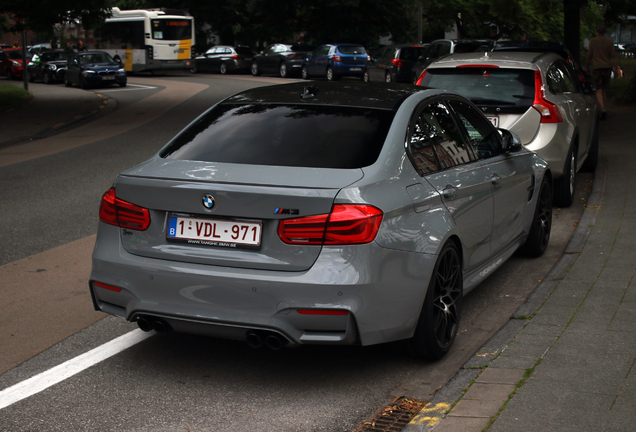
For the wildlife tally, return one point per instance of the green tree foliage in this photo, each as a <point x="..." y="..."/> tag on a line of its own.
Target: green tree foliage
<point x="42" y="15"/>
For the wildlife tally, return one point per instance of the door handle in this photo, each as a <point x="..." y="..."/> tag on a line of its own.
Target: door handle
<point x="449" y="192"/>
<point x="494" y="179"/>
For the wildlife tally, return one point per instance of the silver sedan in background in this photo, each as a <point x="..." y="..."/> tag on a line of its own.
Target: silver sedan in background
<point x="536" y="95"/>
<point x="334" y="213"/>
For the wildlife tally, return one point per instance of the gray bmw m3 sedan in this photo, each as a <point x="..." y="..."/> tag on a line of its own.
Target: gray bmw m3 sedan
<point x="320" y="213"/>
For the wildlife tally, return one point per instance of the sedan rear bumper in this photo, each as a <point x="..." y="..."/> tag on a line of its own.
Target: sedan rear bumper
<point x="357" y="283"/>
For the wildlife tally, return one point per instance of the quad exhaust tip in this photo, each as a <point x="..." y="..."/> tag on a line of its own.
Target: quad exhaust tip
<point x="157" y="324"/>
<point x="271" y="340"/>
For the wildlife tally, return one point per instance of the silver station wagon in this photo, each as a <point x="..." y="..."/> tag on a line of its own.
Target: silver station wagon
<point x="333" y="213"/>
<point x="536" y="95"/>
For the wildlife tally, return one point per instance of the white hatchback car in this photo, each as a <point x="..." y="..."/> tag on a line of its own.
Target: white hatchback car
<point x="535" y="95"/>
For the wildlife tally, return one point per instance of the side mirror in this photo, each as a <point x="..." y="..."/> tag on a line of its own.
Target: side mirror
<point x="510" y="141"/>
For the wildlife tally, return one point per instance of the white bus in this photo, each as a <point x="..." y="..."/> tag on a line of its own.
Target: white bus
<point x="147" y="40"/>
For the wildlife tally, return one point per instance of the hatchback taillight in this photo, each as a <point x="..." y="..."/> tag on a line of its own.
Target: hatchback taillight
<point x="237" y="57"/>
<point x="337" y="58"/>
<point x="345" y="225"/>
<point x="549" y="111"/>
<point x="121" y="213"/>
<point x="419" y="80"/>
<point x="396" y="62"/>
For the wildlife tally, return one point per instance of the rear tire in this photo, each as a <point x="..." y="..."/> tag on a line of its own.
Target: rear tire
<point x="539" y="235"/>
<point x="282" y="70"/>
<point x="564" y="185"/>
<point x="365" y="76"/>
<point x="9" y="74"/>
<point x="439" y="320"/>
<point x="304" y="73"/>
<point x="223" y="68"/>
<point x="388" y="77"/>
<point x="331" y="76"/>
<point x="255" y="70"/>
<point x="46" y="77"/>
<point x="592" y="155"/>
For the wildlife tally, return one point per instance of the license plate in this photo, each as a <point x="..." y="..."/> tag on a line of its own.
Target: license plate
<point x="355" y="69"/>
<point x="108" y="77"/>
<point x="494" y="120"/>
<point x="214" y="232"/>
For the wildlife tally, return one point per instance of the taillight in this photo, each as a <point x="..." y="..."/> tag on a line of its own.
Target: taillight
<point x="121" y="213"/>
<point x="419" y="80"/>
<point x="347" y="224"/>
<point x="237" y="57"/>
<point x="321" y="312"/>
<point x="548" y="110"/>
<point x="106" y="286"/>
<point x="396" y="62"/>
<point x="337" y="58"/>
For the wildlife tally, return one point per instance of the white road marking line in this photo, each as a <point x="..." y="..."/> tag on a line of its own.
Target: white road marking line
<point x="59" y="373"/>
<point x="127" y="88"/>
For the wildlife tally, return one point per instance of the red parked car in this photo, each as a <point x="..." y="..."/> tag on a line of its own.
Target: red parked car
<point x="11" y="62"/>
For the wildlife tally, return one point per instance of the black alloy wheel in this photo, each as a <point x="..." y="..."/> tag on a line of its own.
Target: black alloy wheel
<point x="282" y="70"/>
<point x="46" y="77"/>
<point x="539" y="235"/>
<point x="304" y="73"/>
<point x="439" y="320"/>
<point x="388" y="77"/>
<point x="223" y="68"/>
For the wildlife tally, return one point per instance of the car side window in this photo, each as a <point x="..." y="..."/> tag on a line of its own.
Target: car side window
<point x="567" y="83"/>
<point x="435" y="142"/>
<point x="325" y="50"/>
<point x="381" y="54"/>
<point x="270" y="49"/>
<point x="444" y="49"/>
<point x="483" y="138"/>
<point x="317" y="52"/>
<point x="553" y="79"/>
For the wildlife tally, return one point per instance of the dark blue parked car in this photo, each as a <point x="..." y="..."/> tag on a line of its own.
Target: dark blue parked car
<point x="334" y="61"/>
<point x="88" y="68"/>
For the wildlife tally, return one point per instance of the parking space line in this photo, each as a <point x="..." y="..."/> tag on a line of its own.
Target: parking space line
<point x="142" y="87"/>
<point x="59" y="373"/>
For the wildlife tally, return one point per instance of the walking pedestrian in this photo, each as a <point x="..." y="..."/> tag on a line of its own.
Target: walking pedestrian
<point x="602" y="55"/>
<point x="80" y="46"/>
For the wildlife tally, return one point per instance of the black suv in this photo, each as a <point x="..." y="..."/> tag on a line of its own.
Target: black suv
<point x="394" y="63"/>
<point x="441" y="47"/>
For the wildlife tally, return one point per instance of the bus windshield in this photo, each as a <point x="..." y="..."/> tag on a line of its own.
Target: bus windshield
<point x="171" y="29"/>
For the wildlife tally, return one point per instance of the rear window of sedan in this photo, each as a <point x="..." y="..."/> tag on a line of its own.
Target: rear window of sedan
<point x="314" y="136"/>
<point x="485" y="85"/>
<point x="351" y="50"/>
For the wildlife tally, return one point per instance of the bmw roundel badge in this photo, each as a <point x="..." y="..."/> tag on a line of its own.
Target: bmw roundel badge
<point x="208" y="201"/>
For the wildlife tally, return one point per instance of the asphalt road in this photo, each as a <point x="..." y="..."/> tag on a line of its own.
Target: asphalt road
<point x="48" y="220"/>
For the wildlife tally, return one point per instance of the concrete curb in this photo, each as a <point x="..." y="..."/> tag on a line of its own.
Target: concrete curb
<point x="107" y="106"/>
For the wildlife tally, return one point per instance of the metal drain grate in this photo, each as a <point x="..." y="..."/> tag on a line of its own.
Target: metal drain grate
<point x="394" y="417"/>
